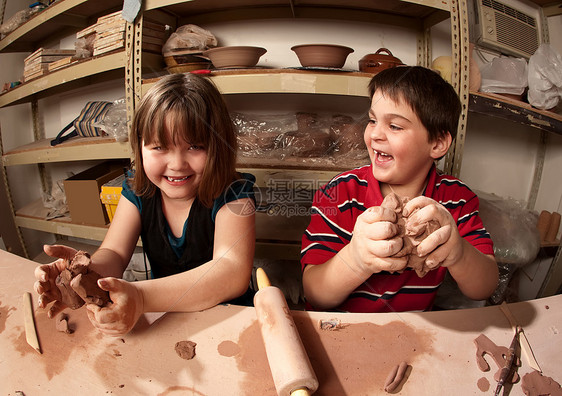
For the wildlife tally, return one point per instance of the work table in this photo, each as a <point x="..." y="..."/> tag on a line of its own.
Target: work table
<point x="230" y="357"/>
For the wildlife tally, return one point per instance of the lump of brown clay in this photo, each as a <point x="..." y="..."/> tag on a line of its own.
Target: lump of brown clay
<point x="536" y="384"/>
<point x="78" y="284"/>
<point x="395" y="377"/>
<point x="412" y="235"/>
<point x="498" y="353"/>
<point x="185" y="349"/>
<point x="62" y="324"/>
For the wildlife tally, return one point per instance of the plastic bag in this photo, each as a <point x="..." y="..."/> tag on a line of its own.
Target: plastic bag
<point x="302" y="136"/>
<point x="84" y="46"/>
<point x="512" y="227"/>
<point x="545" y="78"/>
<point x="18" y="19"/>
<point x="114" y="123"/>
<point x="55" y="201"/>
<point x="504" y="75"/>
<point x="190" y="37"/>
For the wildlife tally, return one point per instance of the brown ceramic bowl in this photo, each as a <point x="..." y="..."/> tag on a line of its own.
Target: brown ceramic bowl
<point x="374" y="63"/>
<point x="322" y="55"/>
<point x="234" y="56"/>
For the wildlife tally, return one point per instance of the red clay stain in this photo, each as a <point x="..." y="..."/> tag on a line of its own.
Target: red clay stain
<point x="4" y="313"/>
<point x="354" y="359"/>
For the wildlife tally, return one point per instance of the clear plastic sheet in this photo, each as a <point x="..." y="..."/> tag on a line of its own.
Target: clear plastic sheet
<point x="545" y="78"/>
<point x="309" y="137"/>
<point x="84" y="46"/>
<point x="55" y="201"/>
<point x="18" y="19"/>
<point x="114" y="123"/>
<point x="504" y="75"/>
<point x="513" y="229"/>
<point x="190" y="37"/>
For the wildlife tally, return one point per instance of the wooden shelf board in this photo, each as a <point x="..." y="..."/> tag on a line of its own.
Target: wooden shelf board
<point x="80" y="70"/>
<point x="76" y="13"/>
<point x="33" y="216"/>
<point x="74" y="149"/>
<point x="514" y="110"/>
<point x="411" y="8"/>
<point x="261" y="80"/>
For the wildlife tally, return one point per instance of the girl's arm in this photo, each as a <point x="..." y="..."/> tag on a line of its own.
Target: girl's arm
<point x="224" y="277"/>
<point x="110" y="259"/>
<point x="115" y="252"/>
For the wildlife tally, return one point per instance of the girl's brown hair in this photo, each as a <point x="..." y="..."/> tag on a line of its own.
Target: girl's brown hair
<point x="194" y="111"/>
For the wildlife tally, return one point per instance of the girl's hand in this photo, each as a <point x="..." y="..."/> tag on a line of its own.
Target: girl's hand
<point x="374" y="241"/>
<point x="46" y="276"/>
<point x="119" y="317"/>
<point x="444" y="245"/>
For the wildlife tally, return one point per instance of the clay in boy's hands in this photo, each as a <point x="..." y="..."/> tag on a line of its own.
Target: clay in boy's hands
<point x="411" y="236"/>
<point x="78" y="284"/>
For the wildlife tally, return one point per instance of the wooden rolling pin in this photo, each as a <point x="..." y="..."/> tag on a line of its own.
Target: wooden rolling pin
<point x="289" y="364"/>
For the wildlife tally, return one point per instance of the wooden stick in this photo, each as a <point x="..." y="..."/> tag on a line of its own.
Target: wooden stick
<point x="525" y="346"/>
<point x="30" y="331"/>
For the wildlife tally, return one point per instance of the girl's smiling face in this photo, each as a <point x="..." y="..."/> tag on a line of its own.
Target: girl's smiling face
<point x="176" y="168"/>
<point x="398" y="144"/>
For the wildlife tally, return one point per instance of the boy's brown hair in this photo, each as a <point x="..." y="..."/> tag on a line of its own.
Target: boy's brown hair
<point x="432" y="98"/>
<point x="196" y="113"/>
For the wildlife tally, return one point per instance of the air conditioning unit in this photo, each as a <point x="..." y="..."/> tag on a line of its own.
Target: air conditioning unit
<point x="510" y="29"/>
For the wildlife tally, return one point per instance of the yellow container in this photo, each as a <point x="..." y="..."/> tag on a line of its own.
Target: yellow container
<point x="110" y="194"/>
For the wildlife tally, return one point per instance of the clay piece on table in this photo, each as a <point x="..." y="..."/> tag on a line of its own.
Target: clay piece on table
<point x="395" y="377"/>
<point x="62" y="324"/>
<point x="78" y="284"/>
<point x="412" y="234"/>
<point x="536" y="384"/>
<point x="498" y="353"/>
<point x="185" y="349"/>
<point x="330" y="325"/>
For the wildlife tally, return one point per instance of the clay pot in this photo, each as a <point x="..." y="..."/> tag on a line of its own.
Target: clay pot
<point x="322" y="55"/>
<point x="234" y="56"/>
<point x="374" y="63"/>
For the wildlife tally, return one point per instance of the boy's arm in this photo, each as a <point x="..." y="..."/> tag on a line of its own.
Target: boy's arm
<point x="329" y="284"/>
<point x="475" y="273"/>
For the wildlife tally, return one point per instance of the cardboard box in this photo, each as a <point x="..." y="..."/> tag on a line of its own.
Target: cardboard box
<point x="83" y="193"/>
<point x="111" y="193"/>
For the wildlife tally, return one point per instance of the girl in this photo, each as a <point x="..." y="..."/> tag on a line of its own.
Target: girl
<point x="192" y="210"/>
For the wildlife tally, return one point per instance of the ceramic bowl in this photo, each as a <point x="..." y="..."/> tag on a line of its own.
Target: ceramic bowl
<point x="322" y="55"/>
<point x="234" y="56"/>
<point x="380" y="60"/>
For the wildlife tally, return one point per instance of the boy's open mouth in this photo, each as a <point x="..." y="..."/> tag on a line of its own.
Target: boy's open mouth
<point x="381" y="156"/>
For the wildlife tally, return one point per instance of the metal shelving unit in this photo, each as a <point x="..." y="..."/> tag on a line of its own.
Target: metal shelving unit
<point x="129" y="64"/>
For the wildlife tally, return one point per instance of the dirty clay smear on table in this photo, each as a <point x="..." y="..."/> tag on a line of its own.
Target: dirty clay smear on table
<point x="55" y="345"/>
<point x="361" y="370"/>
<point x="4" y="313"/>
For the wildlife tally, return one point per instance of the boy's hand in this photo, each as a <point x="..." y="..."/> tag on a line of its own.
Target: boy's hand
<point x="444" y="245"/>
<point x="119" y="317"/>
<point x="46" y="276"/>
<point x="374" y="241"/>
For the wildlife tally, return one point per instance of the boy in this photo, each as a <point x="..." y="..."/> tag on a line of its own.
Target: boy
<point x="348" y="246"/>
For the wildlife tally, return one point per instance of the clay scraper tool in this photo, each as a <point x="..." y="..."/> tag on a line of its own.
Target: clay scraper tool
<point x="509" y="359"/>
<point x="30" y="331"/>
